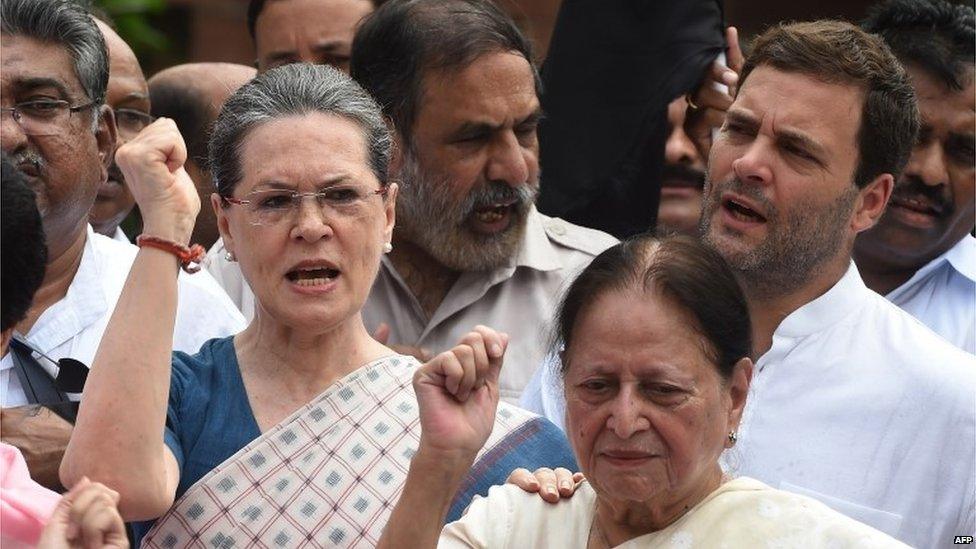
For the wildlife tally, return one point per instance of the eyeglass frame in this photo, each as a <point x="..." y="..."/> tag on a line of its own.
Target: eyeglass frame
<point x="227" y="200"/>
<point x="17" y="114"/>
<point x="140" y="114"/>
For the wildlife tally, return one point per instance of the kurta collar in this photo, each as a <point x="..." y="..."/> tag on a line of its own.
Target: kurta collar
<point x="961" y="257"/>
<point x="83" y="305"/>
<point x="840" y="300"/>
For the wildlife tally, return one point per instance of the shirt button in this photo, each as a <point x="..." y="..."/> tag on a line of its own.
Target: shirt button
<point x="557" y="229"/>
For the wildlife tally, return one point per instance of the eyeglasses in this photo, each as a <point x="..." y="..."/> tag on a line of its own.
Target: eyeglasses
<point x="130" y="122"/>
<point x="44" y="116"/>
<point x="273" y="206"/>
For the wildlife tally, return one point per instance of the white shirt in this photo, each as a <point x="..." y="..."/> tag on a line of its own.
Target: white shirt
<point x="942" y="294"/>
<point x="73" y="326"/>
<point x="861" y="406"/>
<point x="120" y="236"/>
<point x="518" y="298"/>
<point x="228" y="275"/>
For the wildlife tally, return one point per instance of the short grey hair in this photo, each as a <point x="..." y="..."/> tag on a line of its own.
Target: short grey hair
<point x="291" y="90"/>
<point x="66" y="23"/>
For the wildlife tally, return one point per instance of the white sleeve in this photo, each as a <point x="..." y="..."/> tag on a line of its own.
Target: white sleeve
<point x="487" y="523"/>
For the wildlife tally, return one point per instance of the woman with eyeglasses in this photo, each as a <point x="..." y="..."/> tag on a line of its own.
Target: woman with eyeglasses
<point x="301" y="428"/>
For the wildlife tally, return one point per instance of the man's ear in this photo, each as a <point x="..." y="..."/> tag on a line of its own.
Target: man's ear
<point x="871" y="202"/>
<point x="106" y="137"/>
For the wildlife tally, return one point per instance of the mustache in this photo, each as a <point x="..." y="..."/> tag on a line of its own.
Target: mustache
<point x="27" y="156"/>
<point x="752" y="192"/>
<point x="521" y="196"/>
<point x="683" y="172"/>
<point x="940" y="196"/>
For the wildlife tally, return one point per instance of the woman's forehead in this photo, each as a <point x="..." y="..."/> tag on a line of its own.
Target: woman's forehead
<point x="305" y="149"/>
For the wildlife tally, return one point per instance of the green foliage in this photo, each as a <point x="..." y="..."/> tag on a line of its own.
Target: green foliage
<point x="133" y="20"/>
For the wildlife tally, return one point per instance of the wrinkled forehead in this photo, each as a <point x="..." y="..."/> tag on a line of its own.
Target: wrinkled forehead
<point x="28" y="64"/>
<point x="826" y="112"/>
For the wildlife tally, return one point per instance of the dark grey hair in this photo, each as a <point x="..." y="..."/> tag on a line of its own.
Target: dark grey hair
<point x="403" y="40"/>
<point x="66" y="23"/>
<point x="291" y="90"/>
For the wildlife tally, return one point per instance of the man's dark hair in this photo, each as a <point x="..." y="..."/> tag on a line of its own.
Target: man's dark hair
<point x="840" y="53"/>
<point x="22" y="241"/>
<point x="66" y="23"/>
<point x="403" y="40"/>
<point x="190" y="108"/>
<point x="255" y="7"/>
<point x="936" y="35"/>
<point x="681" y="268"/>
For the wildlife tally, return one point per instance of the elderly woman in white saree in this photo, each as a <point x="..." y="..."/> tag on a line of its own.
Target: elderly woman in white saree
<point x="656" y="339"/>
<point x="300" y="429"/>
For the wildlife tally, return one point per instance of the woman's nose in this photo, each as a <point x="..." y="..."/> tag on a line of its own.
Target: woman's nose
<point x="311" y="220"/>
<point x="627" y="417"/>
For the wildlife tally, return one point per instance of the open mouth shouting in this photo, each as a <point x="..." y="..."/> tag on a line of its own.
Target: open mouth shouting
<point x="493" y="218"/>
<point x="313" y="276"/>
<point x="740" y="212"/>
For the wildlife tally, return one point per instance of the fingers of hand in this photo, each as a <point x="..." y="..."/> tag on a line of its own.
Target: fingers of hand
<point x="496" y="343"/>
<point x="734" y="52"/>
<point x="547" y="480"/>
<point x="479" y="350"/>
<point x="524" y="479"/>
<point x="466" y="357"/>
<point x="447" y="367"/>
<point x="708" y="97"/>
<point x="721" y="74"/>
<point x="160" y="141"/>
<point x="98" y="522"/>
<point x="89" y="498"/>
<point x="564" y="482"/>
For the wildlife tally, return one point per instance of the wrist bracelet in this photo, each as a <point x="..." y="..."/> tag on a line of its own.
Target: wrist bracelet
<point x="190" y="257"/>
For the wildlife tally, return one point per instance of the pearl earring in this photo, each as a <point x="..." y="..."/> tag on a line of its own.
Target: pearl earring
<point x="229" y="256"/>
<point x="387" y="247"/>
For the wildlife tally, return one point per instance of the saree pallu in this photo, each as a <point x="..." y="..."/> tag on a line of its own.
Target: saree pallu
<point x="330" y="475"/>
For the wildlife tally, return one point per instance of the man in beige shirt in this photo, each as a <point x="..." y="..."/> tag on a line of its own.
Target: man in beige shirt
<point x="469" y="247"/>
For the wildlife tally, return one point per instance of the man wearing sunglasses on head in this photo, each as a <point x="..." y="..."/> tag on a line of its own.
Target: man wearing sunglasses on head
<point x="57" y="130"/>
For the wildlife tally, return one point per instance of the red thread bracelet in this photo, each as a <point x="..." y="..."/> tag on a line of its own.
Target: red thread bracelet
<point x="190" y="257"/>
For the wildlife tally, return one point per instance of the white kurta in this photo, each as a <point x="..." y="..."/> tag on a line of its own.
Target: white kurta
<point x="73" y="326"/>
<point x="942" y="294"/>
<point x="740" y="513"/>
<point x="861" y="406"/>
